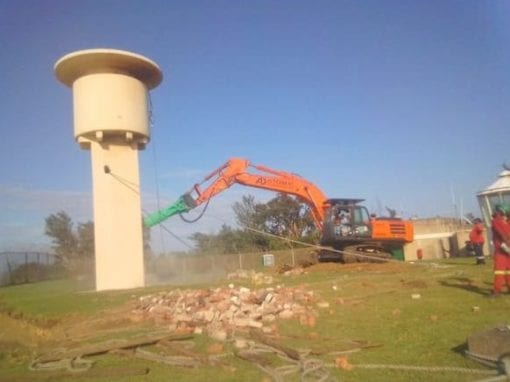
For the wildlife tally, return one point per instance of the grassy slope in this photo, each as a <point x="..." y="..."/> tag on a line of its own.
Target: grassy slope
<point x="372" y="303"/>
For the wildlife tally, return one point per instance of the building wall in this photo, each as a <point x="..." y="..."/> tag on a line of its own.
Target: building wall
<point x="439" y="238"/>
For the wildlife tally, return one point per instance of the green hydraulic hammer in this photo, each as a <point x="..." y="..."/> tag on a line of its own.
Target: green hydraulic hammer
<point x="184" y="204"/>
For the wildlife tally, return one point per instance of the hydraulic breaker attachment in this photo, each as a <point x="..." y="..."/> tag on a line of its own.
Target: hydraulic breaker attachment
<point x="183" y="204"/>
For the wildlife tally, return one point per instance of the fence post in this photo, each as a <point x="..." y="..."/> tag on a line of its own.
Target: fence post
<point x="9" y="269"/>
<point x="26" y="268"/>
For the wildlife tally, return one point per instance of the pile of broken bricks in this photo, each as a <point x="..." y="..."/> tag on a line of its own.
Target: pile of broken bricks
<point x="223" y="311"/>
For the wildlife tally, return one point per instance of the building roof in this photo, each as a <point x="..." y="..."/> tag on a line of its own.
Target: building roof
<point x="502" y="184"/>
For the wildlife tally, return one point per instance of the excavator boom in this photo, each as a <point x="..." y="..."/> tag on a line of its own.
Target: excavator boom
<point x="236" y="171"/>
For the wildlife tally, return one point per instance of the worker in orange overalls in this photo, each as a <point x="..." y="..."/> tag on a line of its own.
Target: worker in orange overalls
<point x="501" y="243"/>
<point x="477" y="239"/>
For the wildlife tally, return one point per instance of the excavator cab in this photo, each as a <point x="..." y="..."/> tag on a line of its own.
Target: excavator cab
<point x="345" y="222"/>
<point x="348" y="227"/>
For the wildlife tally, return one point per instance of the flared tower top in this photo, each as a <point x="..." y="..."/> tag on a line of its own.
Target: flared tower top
<point x="84" y="62"/>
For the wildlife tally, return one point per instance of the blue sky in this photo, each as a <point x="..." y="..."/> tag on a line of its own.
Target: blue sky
<point x="403" y="103"/>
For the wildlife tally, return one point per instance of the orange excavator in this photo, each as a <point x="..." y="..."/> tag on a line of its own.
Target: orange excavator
<point x="345" y="225"/>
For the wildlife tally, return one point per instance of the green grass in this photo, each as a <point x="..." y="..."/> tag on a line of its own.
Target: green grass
<point x="374" y="305"/>
<point x="51" y="300"/>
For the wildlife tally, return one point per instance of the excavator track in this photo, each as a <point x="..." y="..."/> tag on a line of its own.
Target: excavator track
<point x="360" y="253"/>
<point x="365" y="253"/>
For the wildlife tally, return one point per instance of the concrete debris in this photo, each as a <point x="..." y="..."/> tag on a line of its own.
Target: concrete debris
<point x="219" y="312"/>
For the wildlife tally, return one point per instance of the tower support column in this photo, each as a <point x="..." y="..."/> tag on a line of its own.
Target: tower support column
<point x="118" y="228"/>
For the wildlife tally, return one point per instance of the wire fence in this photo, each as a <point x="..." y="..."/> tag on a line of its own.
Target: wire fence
<point x="30" y="266"/>
<point x="187" y="268"/>
<point x="12" y="261"/>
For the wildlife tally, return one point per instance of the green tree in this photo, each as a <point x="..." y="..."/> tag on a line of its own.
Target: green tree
<point x="85" y="238"/>
<point x="147" y="250"/>
<point x="227" y="240"/>
<point x="285" y="216"/>
<point x="73" y="247"/>
<point x="59" y="227"/>
<point x="248" y="216"/>
<point x="282" y="217"/>
<point x="246" y="212"/>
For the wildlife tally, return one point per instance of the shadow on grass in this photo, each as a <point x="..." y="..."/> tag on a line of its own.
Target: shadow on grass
<point x="467" y="284"/>
<point x="460" y="349"/>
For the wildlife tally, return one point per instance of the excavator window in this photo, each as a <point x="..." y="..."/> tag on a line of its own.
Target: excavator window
<point x="361" y="221"/>
<point x="349" y="220"/>
<point x="342" y="221"/>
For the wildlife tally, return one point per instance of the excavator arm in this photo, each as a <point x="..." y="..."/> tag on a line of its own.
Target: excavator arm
<point x="237" y="170"/>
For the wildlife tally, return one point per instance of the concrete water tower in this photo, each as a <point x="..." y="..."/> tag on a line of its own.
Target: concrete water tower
<point x="111" y="119"/>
